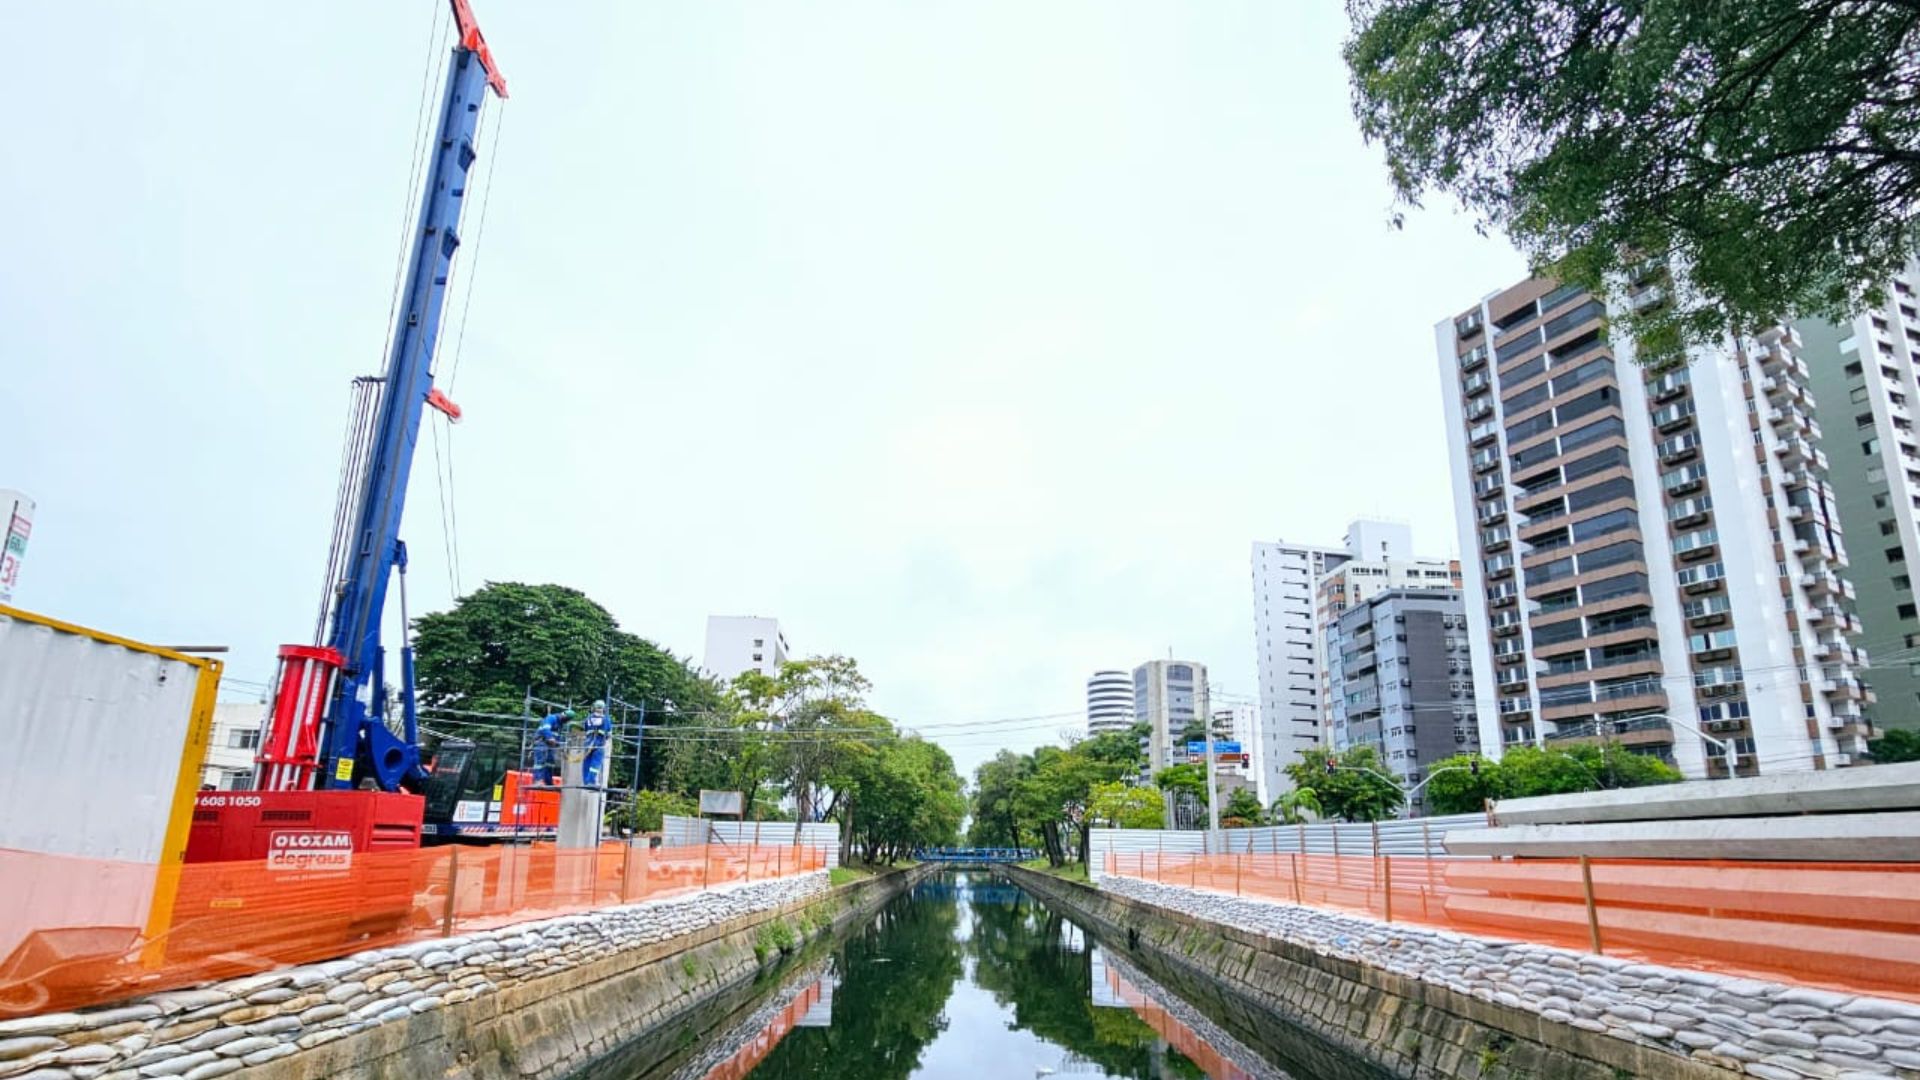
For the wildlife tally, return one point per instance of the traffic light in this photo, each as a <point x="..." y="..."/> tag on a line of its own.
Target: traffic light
<point x="1473" y="766"/>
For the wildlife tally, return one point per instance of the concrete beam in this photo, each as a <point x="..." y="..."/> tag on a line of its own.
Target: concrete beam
<point x="1875" y="788"/>
<point x="1893" y="837"/>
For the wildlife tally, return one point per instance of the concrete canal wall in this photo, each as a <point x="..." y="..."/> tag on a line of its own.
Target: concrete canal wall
<point x="1429" y="1003"/>
<point x="533" y="1000"/>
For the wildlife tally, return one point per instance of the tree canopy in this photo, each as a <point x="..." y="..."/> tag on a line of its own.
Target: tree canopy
<point x="1357" y="788"/>
<point x="1894" y="746"/>
<point x="1770" y="148"/>
<point x="803" y="734"/>
<point x="1048" y="795"/>
<point x="1525" y="771"/>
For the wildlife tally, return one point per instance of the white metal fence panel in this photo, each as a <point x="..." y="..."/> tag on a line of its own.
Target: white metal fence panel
<point x="1418" y="837"/>
<point x="681" y="831"/>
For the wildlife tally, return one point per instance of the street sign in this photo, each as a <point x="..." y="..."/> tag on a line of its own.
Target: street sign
<point x="1221" y="747"/>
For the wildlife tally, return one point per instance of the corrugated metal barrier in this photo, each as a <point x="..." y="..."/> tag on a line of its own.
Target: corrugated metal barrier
<point x="237" y="918"/>
<point x="1414" y="837"/>
<point x="679" y="831"/>
<point x="1853" y="926"/>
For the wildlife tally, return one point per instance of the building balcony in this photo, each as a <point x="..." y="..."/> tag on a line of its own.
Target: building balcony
<point x="1679" y="448"/>
<point x="1491" y="513"/>
<point x="1482" y="434"/>
<point x="1480" y="408"/>
<point x="1674" y="416"/>
<point x="1475" y="383"/>
<point x="1467" y="325"/>
<point x="1670" y="385"/>
<point x="1473" y="357"/>
<point x="1486" y="460"/>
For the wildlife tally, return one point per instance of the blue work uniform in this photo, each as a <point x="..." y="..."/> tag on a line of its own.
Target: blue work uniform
<point x="548" y="738"/>
<point x="598" y="728"/>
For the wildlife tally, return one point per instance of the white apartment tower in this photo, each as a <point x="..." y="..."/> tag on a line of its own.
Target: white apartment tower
<point x="741" y="643"/>
<point x="1109" y="702"/>
<point x="1863" y="373"/>
<point x="1288" y="658"/>
<point x="1652" y="557"/>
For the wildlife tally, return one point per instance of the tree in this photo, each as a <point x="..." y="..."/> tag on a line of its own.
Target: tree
<point x="1456" y="788"/>
<point x="1356" y="789"/>
<point x="995" y="784"/>
<point x="1187" y="779"/>
<point x="1293" y="807"/>
<point x="1894" y="746"/>
<point x="1525" y="771"/>
<point x="505" y="639"/>
<point x="1119" y="806"/>
<point x="1769" y="147"/>
<point x="1242" y="810"/>
<point x="643" y="812"/>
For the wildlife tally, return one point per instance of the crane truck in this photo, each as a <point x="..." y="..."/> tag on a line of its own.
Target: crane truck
<point x="339" y="769"/>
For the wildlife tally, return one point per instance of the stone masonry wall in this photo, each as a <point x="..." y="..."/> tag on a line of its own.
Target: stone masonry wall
<point x="1763" y="1029"/>
<point x="224" y="1027"/>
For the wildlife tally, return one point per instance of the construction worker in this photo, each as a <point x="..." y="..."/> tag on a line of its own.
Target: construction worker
<point x="548" y="739"/>
<point x="599" y="728"/>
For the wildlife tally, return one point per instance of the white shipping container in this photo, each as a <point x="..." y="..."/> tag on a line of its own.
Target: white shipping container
<point x="104" y="739"/>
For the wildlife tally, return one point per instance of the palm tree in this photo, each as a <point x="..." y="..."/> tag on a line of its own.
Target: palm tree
<point x="1293" y="807"/>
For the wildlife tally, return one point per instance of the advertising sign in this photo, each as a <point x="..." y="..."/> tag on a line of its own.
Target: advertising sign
<point x="723" y="802"/>
<point x="16" y="525"/>
<point x="310" y="849"/>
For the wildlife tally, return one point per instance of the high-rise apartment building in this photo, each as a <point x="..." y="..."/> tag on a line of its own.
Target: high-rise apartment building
<point x="1109" y="702"/>
<point x="1863" y="376"/>
<point x="1359" y="580"/>
<point x="1169" y="694"/>
<point x="1288" y="611"/>
<point x="1651" y="556"/>
<point x="1401" y="674"/>
<point x="740" y="643"/>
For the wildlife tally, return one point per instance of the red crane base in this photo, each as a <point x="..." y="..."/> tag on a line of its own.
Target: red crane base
<point x="305" y="830"/>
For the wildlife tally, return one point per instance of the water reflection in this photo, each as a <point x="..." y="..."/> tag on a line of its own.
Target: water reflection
<point x="967" y="976"/>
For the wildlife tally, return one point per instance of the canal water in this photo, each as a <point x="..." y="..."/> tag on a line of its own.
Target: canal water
<point x="967" y="976"/>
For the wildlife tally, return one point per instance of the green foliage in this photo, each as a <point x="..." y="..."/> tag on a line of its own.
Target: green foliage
<point x="1894" y="746"/>
<point x="1358" y="789"/>
<point x="1116" y="805"/>
<point x="1293" y="807"/>
<point x="1771" y="147"/>
<point x="1188" y="779"/>
<point x="506" y="638"/>
<point x="688" y="967"/>
<point x="1045" y="795"/>
<point x="1526" y="771"/>
<point x="643" y="812"/>
<point x="1243" y="807"/>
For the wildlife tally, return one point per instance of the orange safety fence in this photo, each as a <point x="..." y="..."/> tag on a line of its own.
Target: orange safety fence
<point x="755" y="1050"/>
<point x="77" y="932"/>
<point x="1216" y="1065"/>
<point x="1850" y="926"/>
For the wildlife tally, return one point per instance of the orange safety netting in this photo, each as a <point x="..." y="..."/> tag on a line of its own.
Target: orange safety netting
<point x="78" y="931"/>
<point x="1852" y="926"/>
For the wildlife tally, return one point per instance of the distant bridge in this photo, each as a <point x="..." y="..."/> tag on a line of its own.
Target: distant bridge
<point x="975" y="856"/>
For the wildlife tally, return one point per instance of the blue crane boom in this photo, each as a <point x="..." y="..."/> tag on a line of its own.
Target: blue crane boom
<point x="356" y="743"/>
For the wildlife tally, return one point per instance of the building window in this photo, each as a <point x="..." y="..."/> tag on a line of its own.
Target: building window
<point x="1905" y="611"/>
<point x="1895" y="555"/>
<point x="243" y="740"/>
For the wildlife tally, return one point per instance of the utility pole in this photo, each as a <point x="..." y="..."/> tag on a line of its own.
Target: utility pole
<point x="1213" y="808"/>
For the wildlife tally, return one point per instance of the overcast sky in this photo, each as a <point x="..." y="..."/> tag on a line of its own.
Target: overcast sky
<point x="975" y="340"/>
